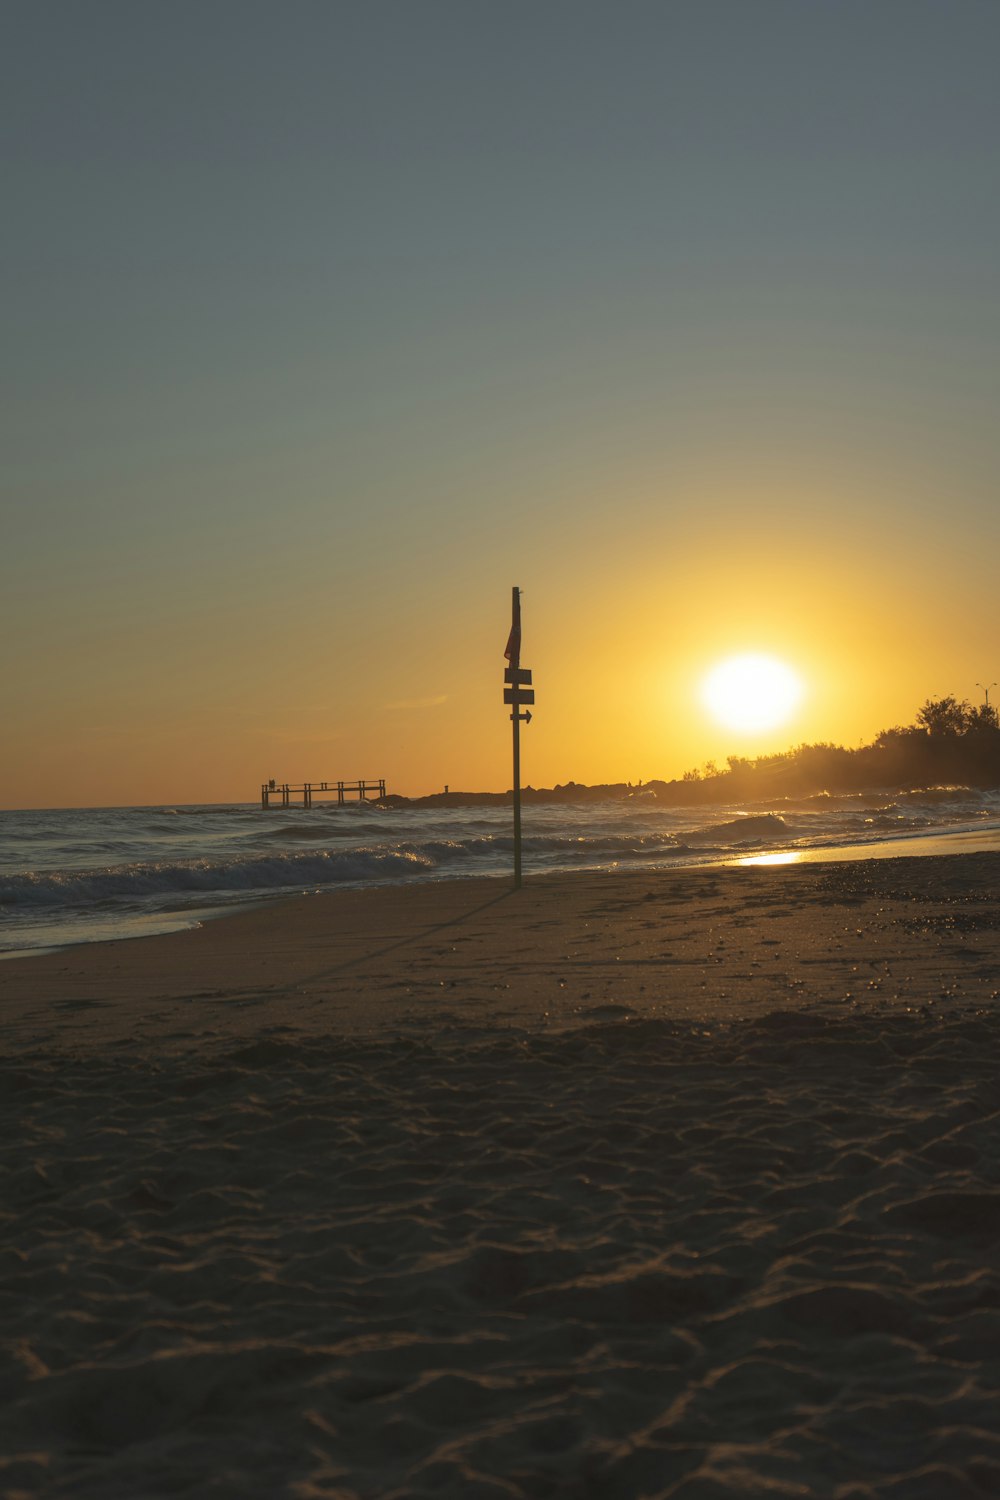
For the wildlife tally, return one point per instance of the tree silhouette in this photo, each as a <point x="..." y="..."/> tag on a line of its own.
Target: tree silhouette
<point x="983" y="716"/>
<point x="944" y="716"/>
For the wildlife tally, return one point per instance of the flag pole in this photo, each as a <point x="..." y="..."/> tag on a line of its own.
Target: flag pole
<point x="516" y="719"/>
<point x="518" y="694"/>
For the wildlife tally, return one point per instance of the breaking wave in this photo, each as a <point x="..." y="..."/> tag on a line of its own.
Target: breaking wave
<point x="140" y="881"/>
<point x="753" y="827"/>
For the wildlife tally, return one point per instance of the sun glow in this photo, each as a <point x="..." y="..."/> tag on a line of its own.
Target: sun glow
<point x="751" y="692"/>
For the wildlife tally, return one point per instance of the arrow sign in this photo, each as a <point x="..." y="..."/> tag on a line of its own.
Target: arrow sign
<point x="518" y="695"/>
<point x="520" y="676"/>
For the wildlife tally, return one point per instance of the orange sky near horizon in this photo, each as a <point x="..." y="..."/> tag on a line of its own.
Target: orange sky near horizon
<point x="620" y="635"/>
<point x="684" y="319"/>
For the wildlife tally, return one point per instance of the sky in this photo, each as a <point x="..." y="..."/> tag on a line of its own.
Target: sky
<point x="325" y="324"/>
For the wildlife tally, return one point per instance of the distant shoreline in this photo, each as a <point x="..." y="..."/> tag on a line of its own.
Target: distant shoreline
<point x="712" y="791"/>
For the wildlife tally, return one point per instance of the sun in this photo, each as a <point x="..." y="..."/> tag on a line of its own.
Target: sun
<point x="751" y="692"/>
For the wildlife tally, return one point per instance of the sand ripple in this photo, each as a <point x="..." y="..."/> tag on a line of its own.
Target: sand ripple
<point x="634" y="1258"/>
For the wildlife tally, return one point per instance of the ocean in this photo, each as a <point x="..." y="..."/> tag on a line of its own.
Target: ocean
<point x="92" y="874"/>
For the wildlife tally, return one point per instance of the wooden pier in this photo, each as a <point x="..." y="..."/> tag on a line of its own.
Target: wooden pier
<point x="284" y="794"/>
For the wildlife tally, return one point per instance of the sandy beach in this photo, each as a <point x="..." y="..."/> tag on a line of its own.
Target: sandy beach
<point x="680" y="1184"/>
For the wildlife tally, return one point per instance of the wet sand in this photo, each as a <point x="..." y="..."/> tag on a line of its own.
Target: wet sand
<point x="681" y="1184"/>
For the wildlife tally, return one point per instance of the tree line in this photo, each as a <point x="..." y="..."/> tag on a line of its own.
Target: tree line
<point x="950" y="742"/>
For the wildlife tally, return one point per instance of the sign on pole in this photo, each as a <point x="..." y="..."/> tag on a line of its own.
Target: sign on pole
<point x="517" y="694"/>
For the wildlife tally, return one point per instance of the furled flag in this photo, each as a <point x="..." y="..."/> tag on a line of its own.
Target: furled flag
<point x="513" y="648"/>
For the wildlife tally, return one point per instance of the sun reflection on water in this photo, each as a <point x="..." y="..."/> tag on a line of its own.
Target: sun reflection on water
<point x="783" y="857"/>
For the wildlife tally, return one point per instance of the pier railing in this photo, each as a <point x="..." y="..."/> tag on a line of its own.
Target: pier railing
<point x="285" y="794"/>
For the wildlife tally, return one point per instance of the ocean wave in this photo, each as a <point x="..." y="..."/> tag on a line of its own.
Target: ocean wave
<point x="555" y="846"/>
<point x="309" y="832"/>
<point x="64" y="868"/>
<point x="893" y="818"/>
<point x="754" y="827"/>
<point x="158" y="880"/>
<point x="139" y="882"/>
<point x="197" y="810"/>
<point x="481" y="846"/>
<point x="961" y="795"/>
